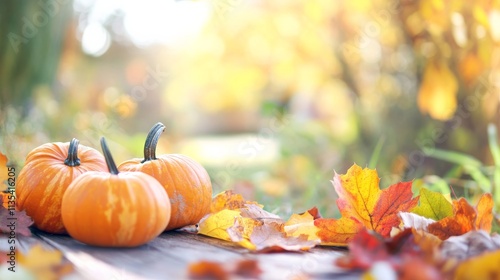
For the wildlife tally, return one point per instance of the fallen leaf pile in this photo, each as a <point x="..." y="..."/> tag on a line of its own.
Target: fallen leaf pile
<point x="426" y="235"/>
<point x="389" y="232"/>
<point x="248" y="224"/>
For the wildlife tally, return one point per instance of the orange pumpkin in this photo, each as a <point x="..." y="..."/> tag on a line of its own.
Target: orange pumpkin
<point x="48" y="171"/>
<point x="115" y="209"/>
<point x="185" y="180"/>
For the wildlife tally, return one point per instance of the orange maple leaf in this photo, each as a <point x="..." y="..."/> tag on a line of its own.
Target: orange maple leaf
<point x="228" y="200"/>
<point x="337" y="232"/>
<point x="465" y="218"/>
<point x="244" y="268"/>
<point x="363" y="204"/>
<point x="484" y="209"/>
<point x="3" y="171"/>
<point x="207" y="270"/>
<point x="4" y="200"/>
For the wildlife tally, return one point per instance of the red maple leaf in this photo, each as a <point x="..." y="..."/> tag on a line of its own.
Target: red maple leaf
<point x="401" y="252"/>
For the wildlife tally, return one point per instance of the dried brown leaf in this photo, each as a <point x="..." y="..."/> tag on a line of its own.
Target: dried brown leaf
<point x="271" y="238"/>
<point x="412" y="220"/>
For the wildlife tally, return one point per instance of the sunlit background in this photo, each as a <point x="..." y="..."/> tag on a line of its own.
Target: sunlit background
<point x="271" y="97"/>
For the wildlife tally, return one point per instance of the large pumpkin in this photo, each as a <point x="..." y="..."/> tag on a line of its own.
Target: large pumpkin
<point x="185" y="180"/>
<point x="48" y="171"/>
<point x="115" y="209"/>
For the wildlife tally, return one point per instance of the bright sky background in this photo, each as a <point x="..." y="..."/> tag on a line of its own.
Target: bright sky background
<point x="148" y="22"/>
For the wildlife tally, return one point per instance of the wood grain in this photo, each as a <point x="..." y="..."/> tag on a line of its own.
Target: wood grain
<point x="168" y="256"/>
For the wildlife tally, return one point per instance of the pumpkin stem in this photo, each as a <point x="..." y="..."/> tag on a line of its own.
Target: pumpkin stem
<point x="72" y="159"/>
<point x="152" y="141"/>
<point x="107" y="156"/>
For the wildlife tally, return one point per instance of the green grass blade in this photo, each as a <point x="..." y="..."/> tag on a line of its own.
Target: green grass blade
<point x="376" y="153"/>
<point x="492" y="139"/>
<point x="457" y="158"/>
<point x="470" y="164"/>
<point x="495" y="151"/>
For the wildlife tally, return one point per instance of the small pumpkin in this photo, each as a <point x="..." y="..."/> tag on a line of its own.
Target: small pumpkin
<point x="115" y="209"/>
<point x="48" y="171"/>
<point x="187" y="183"/>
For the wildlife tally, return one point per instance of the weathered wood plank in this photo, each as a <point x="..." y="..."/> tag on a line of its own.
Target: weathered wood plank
<point x="144" y="262"/>
<point x="168" y="256"/>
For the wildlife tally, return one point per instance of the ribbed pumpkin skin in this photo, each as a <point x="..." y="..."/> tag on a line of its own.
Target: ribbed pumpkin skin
<point x="115" y="210"/>
<point x="186" y="182"/>
<point x="44" y="179"/>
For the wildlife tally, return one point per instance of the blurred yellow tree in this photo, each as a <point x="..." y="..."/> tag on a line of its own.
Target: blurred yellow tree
<point x="348" y="65"/>
<point x="381" y="83"/>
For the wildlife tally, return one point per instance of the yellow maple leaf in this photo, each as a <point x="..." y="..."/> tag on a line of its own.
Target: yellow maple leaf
<point x="438" y="93"/>
<point x="44" y="263"/>
<point x="226" y="208"/>
<point x="358" y="192"/>
<point x="216" y="224"/>
<point x="228" y="200"/>
<point x="301" y="224"/>
<point x="484" y="266"/>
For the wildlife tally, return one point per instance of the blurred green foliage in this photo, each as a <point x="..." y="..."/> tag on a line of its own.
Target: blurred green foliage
<point x="33" y="34"/>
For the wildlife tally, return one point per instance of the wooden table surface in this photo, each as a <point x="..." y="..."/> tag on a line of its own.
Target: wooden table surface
<point x="168" y="256"/>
